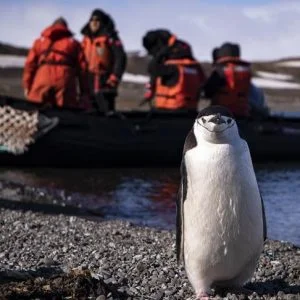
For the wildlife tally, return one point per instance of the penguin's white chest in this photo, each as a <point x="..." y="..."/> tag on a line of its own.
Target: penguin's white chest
<point x="222" y="210"/>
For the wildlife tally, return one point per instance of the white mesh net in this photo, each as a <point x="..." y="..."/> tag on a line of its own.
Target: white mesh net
<point x="17" y="129"/>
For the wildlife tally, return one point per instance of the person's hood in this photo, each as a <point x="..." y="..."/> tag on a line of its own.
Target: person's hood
<point x="155" y="40"/>
<point x="107" y="25"/>
<point x="56" y="32"/>
<point x="215" y="55"/>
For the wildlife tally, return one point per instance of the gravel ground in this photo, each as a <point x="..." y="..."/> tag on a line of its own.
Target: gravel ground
<point x="45" y="256"/>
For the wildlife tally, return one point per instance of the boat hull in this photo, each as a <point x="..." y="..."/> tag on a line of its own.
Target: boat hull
<point x="137" y="139"/>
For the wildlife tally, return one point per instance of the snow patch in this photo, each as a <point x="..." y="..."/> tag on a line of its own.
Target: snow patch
<point x="7" y="61"/>
<point x="275" y="76"/>
<point x="293" y="64"/>
<point x="270" y="80"/>
<point x="16" y="61"/>
<point x="128" y="77"/>
<point x="275" y="84"/>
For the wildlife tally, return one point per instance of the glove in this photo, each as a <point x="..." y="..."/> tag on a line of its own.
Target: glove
<point x="26" y="92"/>
<point x="149" y="93"/>
<point x="112" y="81"/>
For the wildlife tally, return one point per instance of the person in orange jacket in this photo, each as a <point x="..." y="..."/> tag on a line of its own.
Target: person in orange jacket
<point x="175" y="75"/>
<point x="106" y="58"/>
<point x="230" y="82"/>
<point x="54" y="67"/>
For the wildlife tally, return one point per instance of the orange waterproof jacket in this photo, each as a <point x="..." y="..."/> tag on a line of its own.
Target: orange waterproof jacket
<point x="97" y="53"/>
<point x="185" y="93"/>
<point x="53" y="68"/>
<point x="234" y="95"/>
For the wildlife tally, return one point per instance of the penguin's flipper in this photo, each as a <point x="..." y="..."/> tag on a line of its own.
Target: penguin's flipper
<point x="190" y="143"/>
<point x="264" y="218"/>
<point x="179" y="212"/>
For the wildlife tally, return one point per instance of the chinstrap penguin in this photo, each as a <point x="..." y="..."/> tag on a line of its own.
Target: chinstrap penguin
<point x="221" y="224"/>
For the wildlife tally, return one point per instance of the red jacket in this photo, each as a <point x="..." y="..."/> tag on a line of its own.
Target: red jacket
<point x="54" y="66"/>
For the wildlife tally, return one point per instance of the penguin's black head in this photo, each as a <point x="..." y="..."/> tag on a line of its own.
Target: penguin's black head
<point x="214" y="120"/>
<point x="215" y="109"/>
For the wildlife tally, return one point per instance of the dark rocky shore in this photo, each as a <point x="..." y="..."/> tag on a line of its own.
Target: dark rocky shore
<point x="56" y="255"/>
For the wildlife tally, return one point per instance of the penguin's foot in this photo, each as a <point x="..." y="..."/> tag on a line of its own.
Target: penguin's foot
<point x="201" y="295"/>
<point x="202" y="289"/>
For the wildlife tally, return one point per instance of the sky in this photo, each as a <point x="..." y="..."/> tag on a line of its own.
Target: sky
<point x="265" y="30"/>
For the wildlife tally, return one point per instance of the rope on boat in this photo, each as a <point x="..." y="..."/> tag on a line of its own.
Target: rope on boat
<point x="17" y="129"/>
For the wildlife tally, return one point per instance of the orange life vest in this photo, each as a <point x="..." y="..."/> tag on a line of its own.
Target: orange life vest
<point x="185" y="93"/>
<point x="97" y="54"/>
<point x="234" y="95"/>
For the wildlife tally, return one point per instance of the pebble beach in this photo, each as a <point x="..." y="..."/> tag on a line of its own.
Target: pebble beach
<point x="61" y="256"/>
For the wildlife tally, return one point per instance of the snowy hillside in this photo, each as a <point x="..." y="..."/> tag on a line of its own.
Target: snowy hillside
<point x="264" y="79"/>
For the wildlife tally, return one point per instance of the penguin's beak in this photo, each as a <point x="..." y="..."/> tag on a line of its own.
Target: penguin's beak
<point x="217" y="119"/>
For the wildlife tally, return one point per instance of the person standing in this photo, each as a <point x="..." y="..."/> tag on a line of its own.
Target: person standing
<point x="54" y="67"/>
<point x="106" y="58"/>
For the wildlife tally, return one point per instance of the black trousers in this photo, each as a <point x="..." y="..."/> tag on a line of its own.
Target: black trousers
<point x="104" y="101"/>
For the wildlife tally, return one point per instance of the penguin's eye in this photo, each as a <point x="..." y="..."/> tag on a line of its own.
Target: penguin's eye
<point x="229" y="121"/>
<point x="203" y="120"/>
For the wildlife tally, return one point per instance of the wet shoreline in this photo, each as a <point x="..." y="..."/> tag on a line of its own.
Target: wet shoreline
<point x="143" y="197"/>
<point x="52" y="250"/>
